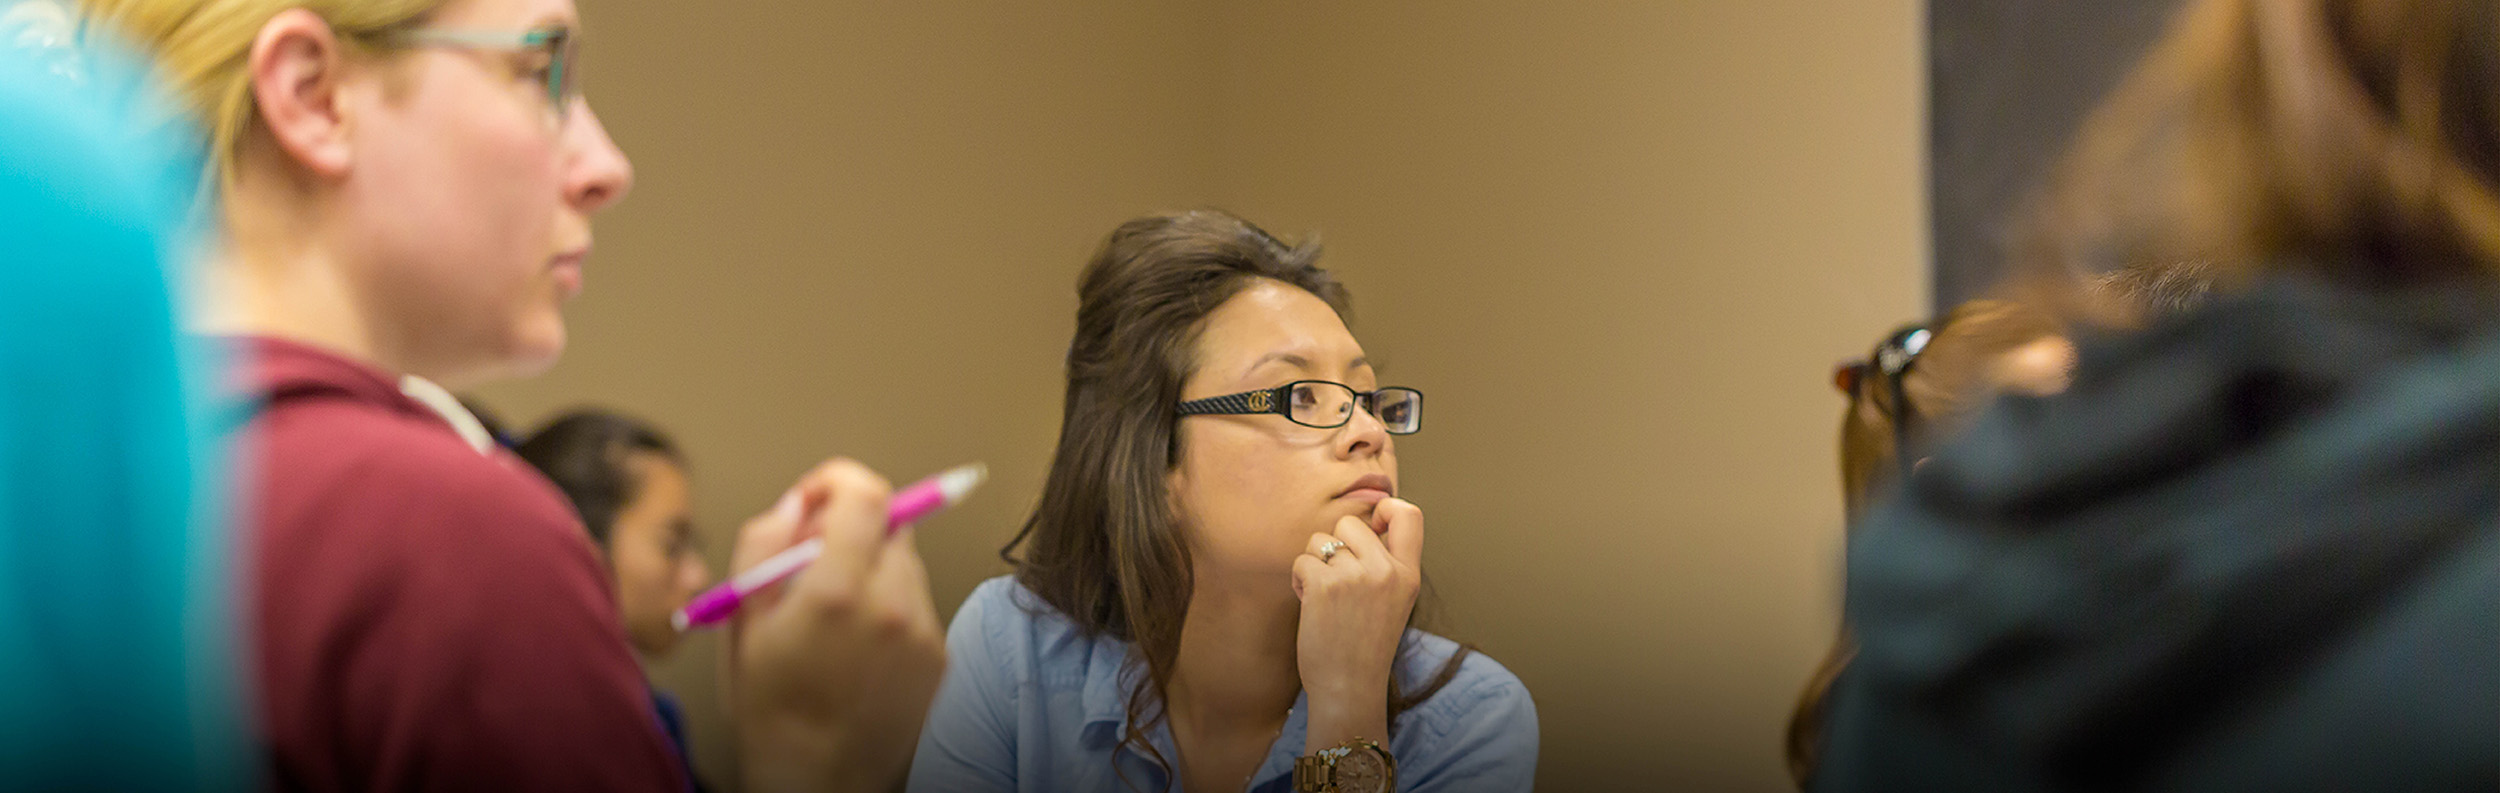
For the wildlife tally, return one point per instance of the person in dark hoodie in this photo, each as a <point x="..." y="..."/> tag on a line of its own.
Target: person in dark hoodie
<point x="2252" y="546"/>
<point x="1921" y="382"/>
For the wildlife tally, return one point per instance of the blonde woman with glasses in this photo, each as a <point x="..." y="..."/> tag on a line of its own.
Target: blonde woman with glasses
<point x="405" y="191"/>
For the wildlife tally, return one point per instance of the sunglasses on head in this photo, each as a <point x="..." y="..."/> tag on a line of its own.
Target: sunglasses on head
<point x="1890" y="361"/>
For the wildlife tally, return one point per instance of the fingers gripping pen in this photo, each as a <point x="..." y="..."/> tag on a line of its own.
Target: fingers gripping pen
<point x="922" y="499"/>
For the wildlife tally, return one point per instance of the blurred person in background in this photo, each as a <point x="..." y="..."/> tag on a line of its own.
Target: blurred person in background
<point x="2255" y="546"/>
<point x="117" y="624"/>
<point x="1921" y="384"/>
<point x="403" y="189"/>
<point x="628" y="482"/>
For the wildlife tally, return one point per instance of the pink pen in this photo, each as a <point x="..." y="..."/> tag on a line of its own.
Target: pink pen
<point x="920" y="500"/>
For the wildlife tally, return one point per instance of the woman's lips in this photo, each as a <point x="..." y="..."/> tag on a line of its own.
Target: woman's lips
<point x="1372" y="487"/>
<point x="567" y="269"/>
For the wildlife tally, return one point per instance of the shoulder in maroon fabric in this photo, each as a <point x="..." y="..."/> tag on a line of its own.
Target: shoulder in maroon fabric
<point x="429" y="618"/>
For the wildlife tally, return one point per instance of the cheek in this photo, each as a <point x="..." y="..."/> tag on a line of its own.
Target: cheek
<point x="643" y="572"/>
<point x="485" y="170"/>
<point x="468" y="196"/>
<point x="1237" y="497"/>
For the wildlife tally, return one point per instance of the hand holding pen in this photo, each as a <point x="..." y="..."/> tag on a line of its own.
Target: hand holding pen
<point x="922" y="499"/>
<point x="834" y="668"/>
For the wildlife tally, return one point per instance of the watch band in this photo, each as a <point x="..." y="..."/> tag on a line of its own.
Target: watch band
<point x="1317" y="772"/>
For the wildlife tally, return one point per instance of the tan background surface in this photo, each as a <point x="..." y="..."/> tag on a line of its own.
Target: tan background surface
<point x="1619" y="243"/>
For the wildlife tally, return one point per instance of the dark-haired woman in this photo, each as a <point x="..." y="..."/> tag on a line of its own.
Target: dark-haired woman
<point x="1216" y="590"/>
<point x="628" y="482"/>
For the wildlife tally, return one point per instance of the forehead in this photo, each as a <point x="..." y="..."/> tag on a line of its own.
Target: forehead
<point x="1270" y="317"/>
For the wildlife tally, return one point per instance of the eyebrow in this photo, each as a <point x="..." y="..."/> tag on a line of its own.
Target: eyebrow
<point x="555" y="20"/>
<point x="1298" y="360"/>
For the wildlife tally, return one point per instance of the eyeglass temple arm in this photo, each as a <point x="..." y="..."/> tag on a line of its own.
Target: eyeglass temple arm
<point x="1233" y="404"/>
<point x="483" y="39"/>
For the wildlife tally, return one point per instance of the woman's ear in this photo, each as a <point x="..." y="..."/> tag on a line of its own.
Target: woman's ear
<point x="295" y="68"/>
<point x="2040" y="368"/>
<point x="1176" y="503"/>
<point x="1173" y="485"/>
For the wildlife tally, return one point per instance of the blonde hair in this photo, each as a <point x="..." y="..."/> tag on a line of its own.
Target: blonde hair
<point x="201" y="49"/>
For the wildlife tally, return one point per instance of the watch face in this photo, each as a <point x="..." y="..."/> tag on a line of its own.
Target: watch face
<point x="1361" y="771"/>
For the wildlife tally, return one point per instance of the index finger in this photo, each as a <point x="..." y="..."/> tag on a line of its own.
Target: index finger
<point x="851" y="520"/>
<point x="812" y="509"/>
<point x="770" y="533"/>
<point x="1405" y="530"/>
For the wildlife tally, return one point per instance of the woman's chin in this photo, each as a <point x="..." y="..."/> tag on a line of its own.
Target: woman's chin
<point x="535" y="349"/>
<point x="1358" y="504"/>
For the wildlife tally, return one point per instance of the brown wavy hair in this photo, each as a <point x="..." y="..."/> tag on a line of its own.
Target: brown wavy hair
<point x="1103" y="546"/>
<point x="2358" y="138"/>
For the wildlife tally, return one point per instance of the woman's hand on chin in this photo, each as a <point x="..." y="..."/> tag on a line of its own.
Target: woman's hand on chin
<point x="1357" y="585"/>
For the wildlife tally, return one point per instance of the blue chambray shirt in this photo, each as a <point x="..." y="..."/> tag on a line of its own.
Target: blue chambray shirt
<point x="1032" y="704"/>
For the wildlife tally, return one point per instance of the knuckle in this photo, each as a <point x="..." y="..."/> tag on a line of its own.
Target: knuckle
<point x="930" y="637"/>
<point x="851" y="477"/>
<point x="890" y="624"/>
<point x="834" y="603"/>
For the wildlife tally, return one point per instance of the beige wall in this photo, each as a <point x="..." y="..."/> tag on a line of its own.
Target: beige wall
<point x="1619" y="243"/>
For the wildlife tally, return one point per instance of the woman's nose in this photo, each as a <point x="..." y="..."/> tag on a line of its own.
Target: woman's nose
<point x="598" y="175"/>
<point x="692" y="574"/>
<point x="1364" y="434"/>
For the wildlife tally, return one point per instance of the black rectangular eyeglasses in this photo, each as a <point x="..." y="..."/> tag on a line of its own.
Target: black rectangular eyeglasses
<point x="1319" y="403"/>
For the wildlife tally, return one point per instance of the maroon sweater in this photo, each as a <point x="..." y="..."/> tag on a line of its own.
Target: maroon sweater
<point x="427" y="617"/>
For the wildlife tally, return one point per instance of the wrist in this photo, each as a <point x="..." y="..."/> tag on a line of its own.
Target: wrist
<point x="1370" y="685"/>
<point x="773" y="759"/>
<point x="1335" y="724"/>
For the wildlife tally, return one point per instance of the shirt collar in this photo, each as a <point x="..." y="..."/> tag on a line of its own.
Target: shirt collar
<point x="440" y="400"/>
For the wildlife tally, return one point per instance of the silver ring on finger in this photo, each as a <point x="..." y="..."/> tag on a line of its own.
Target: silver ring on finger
<point x="1328" y="550"/>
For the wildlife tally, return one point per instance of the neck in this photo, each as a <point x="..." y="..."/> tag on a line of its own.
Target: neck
<point x="275" y="276"/>
<point x="1236" y="664"/>
<point x="298" y="300"/>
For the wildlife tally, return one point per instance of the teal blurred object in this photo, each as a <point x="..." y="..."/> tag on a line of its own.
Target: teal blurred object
<point x="118" y="632"/>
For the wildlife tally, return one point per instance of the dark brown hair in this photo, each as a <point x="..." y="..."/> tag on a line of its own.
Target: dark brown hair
<point x="2358" y="138"/>
<point x="1962" y="366"/>
<point x="585" y="452"/>
<point x="1102" y="546"/>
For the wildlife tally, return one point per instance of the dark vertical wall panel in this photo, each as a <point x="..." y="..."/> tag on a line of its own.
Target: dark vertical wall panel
<point x="2009" y="81"/>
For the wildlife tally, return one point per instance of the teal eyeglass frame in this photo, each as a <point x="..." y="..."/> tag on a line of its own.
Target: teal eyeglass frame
<point x="560" y="45"/>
